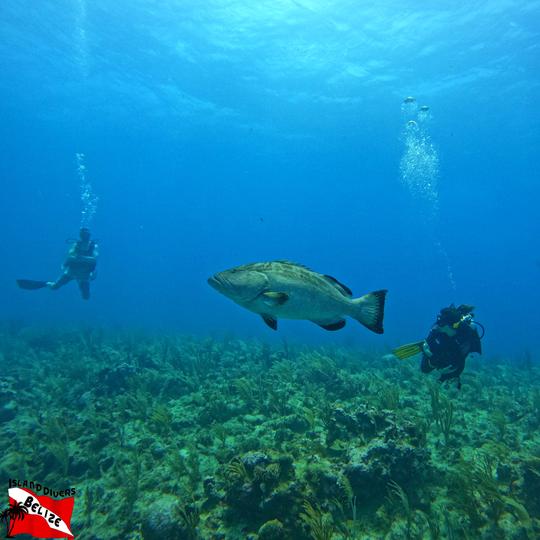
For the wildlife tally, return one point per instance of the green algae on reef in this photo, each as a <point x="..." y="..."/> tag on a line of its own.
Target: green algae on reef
<point x="184" y="438"/>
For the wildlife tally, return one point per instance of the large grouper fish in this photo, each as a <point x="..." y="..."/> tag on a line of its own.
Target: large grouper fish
<point x="286" y="290"/>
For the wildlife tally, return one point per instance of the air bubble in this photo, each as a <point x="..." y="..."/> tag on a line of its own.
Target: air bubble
<point x="89" y="199"/>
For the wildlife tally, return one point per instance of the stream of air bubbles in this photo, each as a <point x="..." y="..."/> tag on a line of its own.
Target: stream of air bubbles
<point x="419" y="168"/>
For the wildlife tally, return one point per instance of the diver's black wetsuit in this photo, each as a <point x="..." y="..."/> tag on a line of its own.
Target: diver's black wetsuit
<point x="450" y="351"/>
<point x="80" y="264"/>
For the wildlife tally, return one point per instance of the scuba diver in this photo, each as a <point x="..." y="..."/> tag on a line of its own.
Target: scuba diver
<point x="451" y="339"/>
<point x="80" y="264"/>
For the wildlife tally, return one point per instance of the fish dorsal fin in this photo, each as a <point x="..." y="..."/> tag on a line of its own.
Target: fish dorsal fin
<point x="292" y="263"/>
<point x="342" y="288"/>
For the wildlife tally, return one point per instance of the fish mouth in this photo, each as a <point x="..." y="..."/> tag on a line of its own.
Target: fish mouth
<point x="215" y="282"/>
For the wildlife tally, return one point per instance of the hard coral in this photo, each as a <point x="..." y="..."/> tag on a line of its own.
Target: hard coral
<point x="160" y="520"/>
<point x="261" y="487"/>
<point x="371" y="468"/>
<point x="272" y="530"/>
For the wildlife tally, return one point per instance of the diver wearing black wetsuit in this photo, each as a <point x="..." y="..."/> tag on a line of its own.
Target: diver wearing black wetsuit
<point x="80" y="264"/>
<point x="451" y="340"/>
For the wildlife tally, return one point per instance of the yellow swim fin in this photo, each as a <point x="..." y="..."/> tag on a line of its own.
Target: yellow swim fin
<point x="406" y="351"/>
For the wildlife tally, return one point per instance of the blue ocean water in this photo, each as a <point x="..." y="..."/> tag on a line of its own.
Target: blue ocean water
<point x="223" y="132"/>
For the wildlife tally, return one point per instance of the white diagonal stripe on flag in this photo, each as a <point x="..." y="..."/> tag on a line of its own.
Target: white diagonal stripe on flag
<point x="20" y="495"/>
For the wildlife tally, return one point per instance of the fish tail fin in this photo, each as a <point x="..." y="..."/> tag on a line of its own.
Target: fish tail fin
<point x="369" y="310"/>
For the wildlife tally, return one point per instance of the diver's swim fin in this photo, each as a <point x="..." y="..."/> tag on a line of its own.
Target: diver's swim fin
<point x="406" y="351"/>
<point x="30" y="284"/>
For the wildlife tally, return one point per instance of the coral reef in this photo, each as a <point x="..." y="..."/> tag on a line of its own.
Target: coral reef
<point x="195" y="438"/>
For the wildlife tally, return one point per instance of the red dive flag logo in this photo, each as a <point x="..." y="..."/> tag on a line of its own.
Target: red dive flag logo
<point x="41" y="517"/>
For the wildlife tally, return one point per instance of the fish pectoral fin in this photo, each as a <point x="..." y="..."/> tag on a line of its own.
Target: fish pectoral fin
<point x="270" y="321"/>
<point x="331" y="326"/>
<point x="271" y="298"/>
